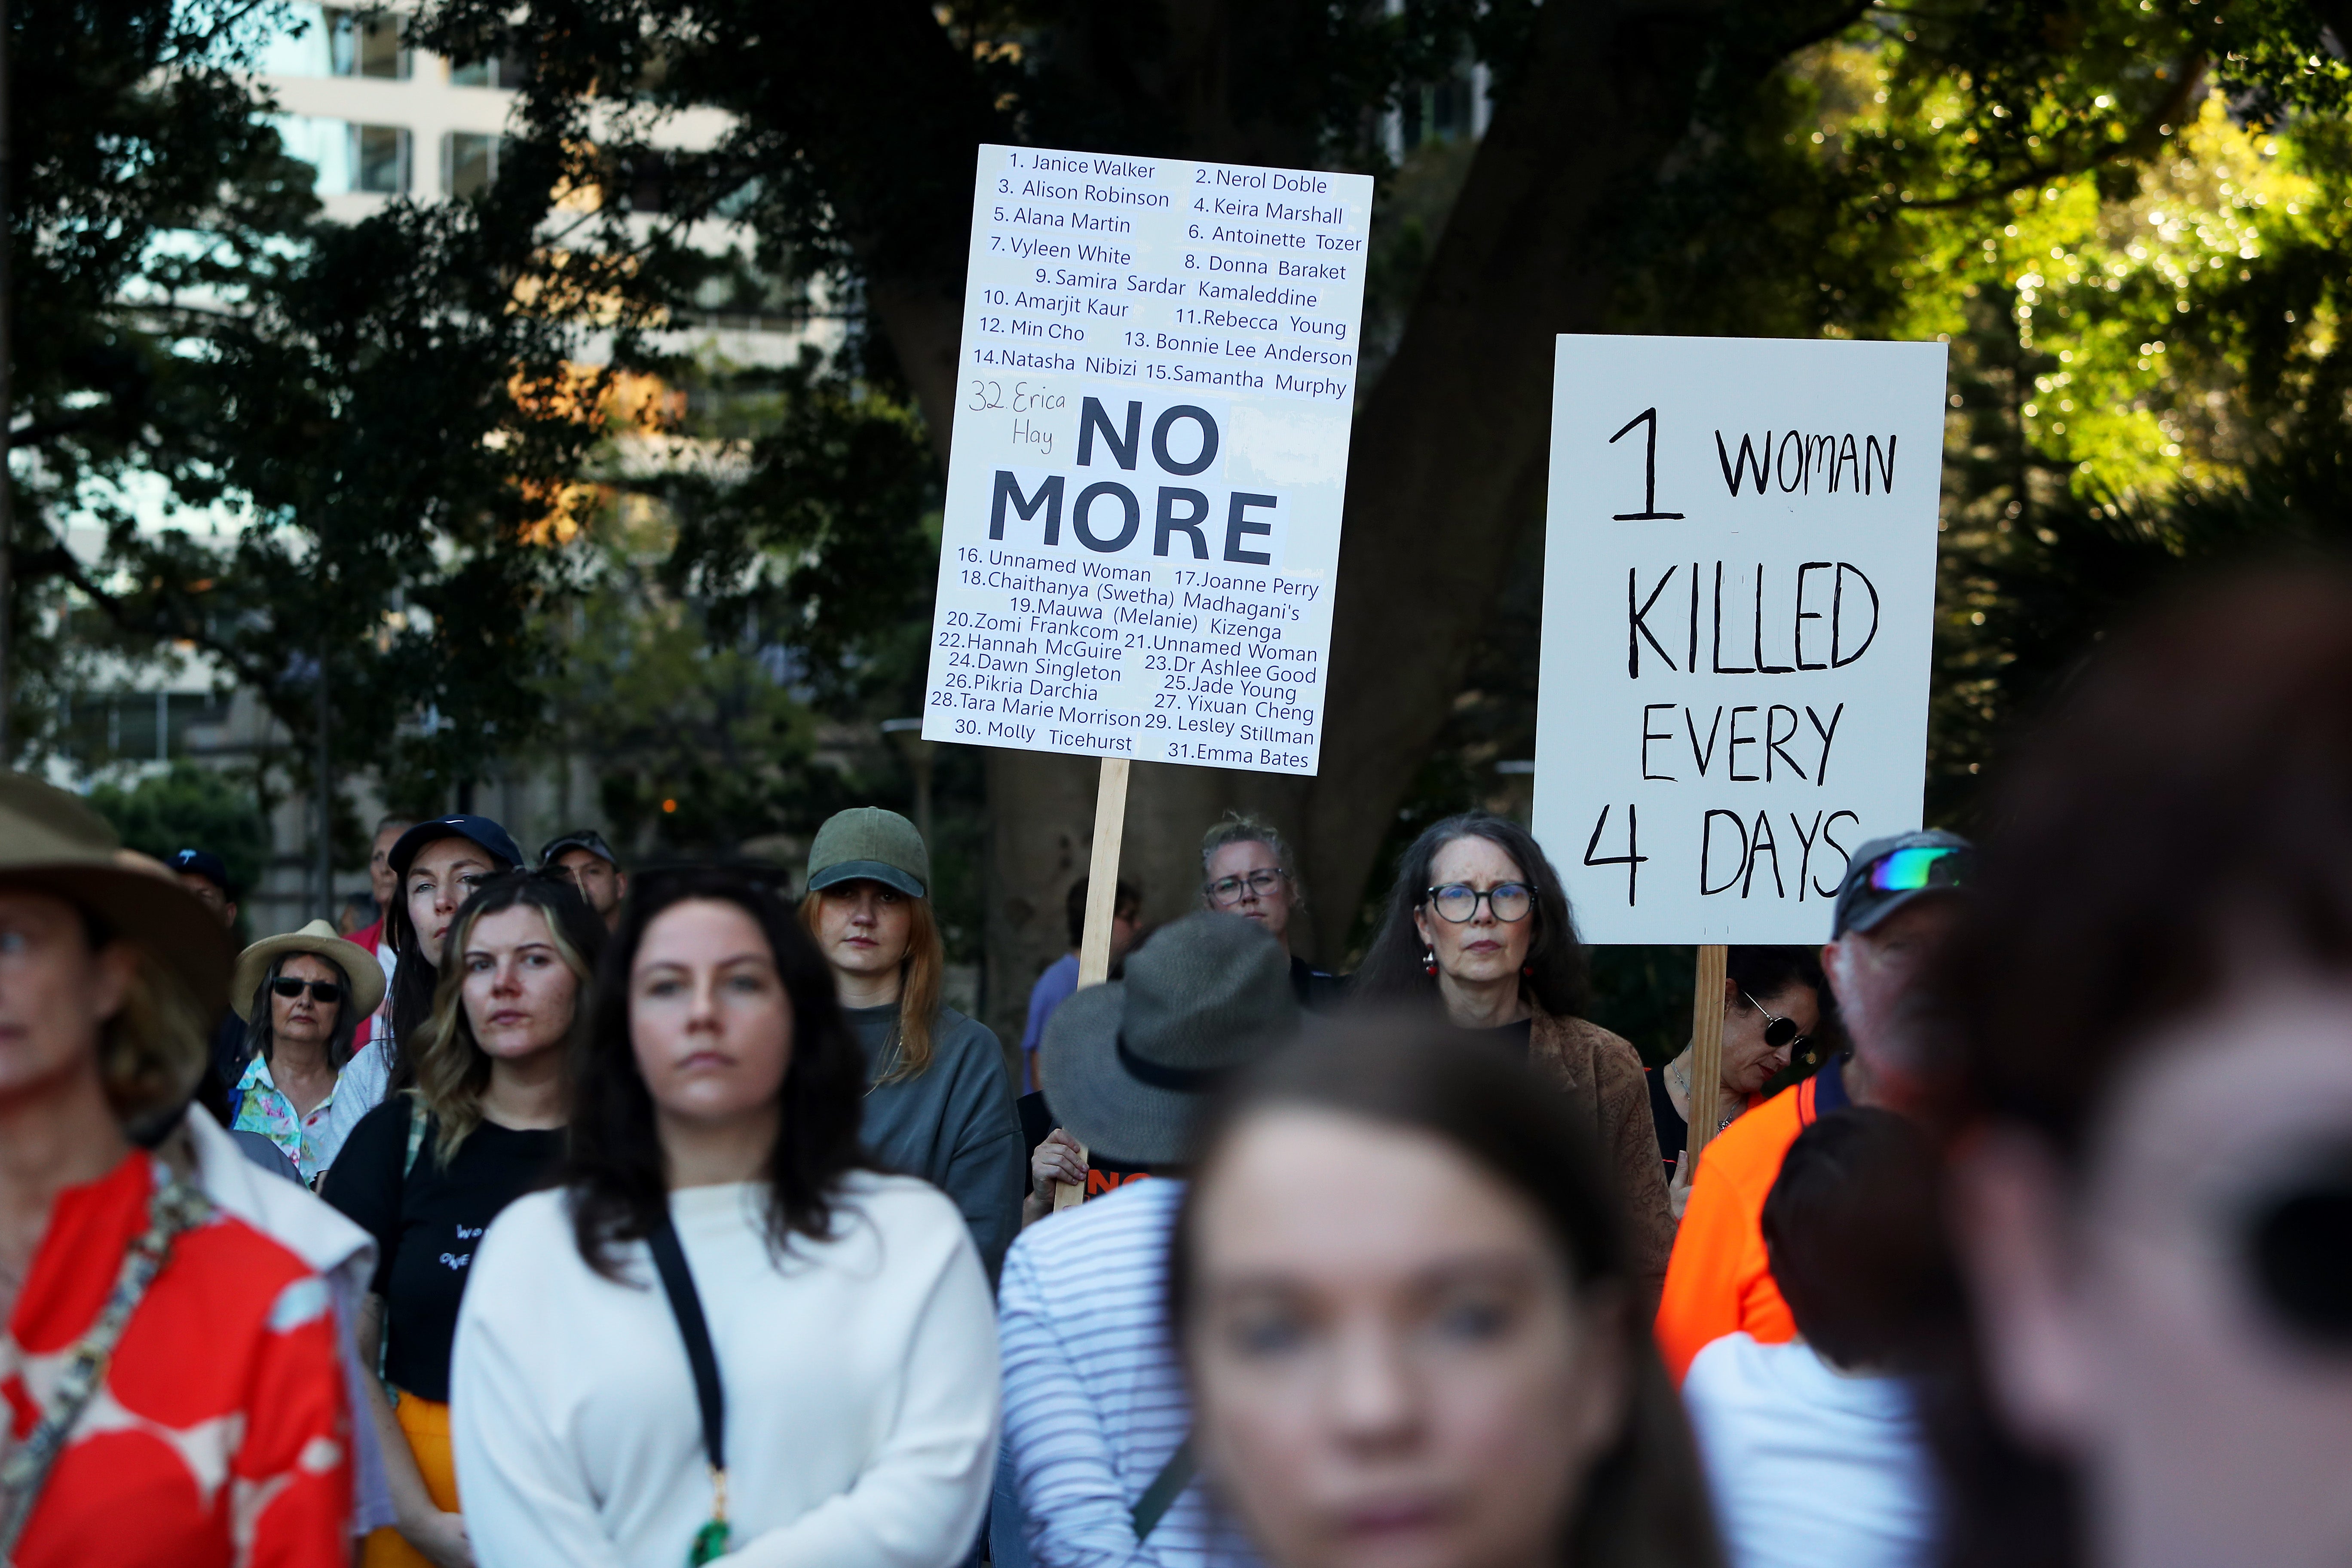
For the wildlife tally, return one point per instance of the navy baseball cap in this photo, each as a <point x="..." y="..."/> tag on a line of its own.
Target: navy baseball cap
<point x="1885" y="873"/>
<point x="586" y="839"/>
<point x="202" y="863"/>
<point x="494" y="841"/>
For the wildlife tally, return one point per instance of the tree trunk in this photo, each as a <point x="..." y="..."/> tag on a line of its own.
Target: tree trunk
<point x="1449" y="463"/>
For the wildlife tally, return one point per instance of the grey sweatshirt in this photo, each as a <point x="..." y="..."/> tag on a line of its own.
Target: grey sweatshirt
<point x="952" y="1124"/>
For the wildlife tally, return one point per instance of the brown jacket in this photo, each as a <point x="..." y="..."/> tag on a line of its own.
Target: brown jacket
<point x="1603" y="1078"/>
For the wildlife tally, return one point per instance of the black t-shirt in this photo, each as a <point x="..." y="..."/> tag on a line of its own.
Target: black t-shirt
<point x="427" y="1225"/>
<point x="1674" y="1129"/>
<point x="1515" y="1040"/>
<point x="1103" y="1175"/>
<point x="1318" y="990"/>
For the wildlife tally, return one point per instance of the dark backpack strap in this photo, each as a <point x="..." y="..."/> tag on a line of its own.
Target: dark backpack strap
<point x="1165" y="1489"/>
<point x="669" y="1261"/>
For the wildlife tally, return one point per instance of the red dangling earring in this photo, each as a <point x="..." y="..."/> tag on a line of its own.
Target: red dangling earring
<point x="1429" y="961"/>
<point x="1528" y="970"/>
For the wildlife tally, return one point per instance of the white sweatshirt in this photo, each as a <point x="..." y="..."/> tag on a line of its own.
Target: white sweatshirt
<point x="860" y="1376"/>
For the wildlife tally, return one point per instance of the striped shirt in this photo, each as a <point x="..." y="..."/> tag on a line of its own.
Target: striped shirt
<point x="1094" y="1398"/>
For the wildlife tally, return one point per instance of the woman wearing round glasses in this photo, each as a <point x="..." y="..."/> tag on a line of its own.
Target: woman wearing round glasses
<point x="1771" y="1008"/>
<point x="1478" y="923"/>
<point x="302" y="996"/>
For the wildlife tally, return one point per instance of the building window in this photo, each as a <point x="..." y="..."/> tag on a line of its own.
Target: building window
<point x="379" y="160"/>
<point x="645" y="182"/>
<point x="469" y="163"/>
<point x="508" y="69"/>
<point x="364" y="46"/>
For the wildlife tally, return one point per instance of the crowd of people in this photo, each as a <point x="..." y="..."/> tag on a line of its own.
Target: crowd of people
<point x="567" y="1215"/>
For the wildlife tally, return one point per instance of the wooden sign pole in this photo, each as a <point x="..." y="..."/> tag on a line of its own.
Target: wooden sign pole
<point x="1707" y="1050"/>
<point x="1102" y="905"/>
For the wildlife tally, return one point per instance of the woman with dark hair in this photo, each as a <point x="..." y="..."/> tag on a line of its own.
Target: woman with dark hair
<point x="1813" y="1449"/>
<point x="817" y="1332"/>
<point x="425" y="1172"/>
<point x="437" y="865"/>
<point x="1410" y="1325"/>
<point x="1478" y="924"/>
<point x="304" y="996"/>
<point x="1771" y="1009"/>
<point x="2153" y="997"/>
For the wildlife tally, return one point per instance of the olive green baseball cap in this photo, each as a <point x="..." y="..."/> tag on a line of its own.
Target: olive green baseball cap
<point x="868" y="844"/>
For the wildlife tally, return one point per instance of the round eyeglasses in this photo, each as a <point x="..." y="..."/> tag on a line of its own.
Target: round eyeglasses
<point x="1258" y="884"/>
<point x="1457" y="902"/>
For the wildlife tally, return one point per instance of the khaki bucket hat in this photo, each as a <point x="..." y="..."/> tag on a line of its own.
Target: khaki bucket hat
<point x="52" y="843"/>
<point x="318" y="939"/>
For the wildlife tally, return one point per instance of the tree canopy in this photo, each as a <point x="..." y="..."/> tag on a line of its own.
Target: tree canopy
<point x="2129" y="217"/>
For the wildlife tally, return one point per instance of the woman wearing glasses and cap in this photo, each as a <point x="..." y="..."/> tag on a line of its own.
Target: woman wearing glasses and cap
<point x="302" y="996"/>
<point x="1771" y="1008"/>
<point x="2152" y="1194"/>
<point x="1478" y="923"/>
<point x="169" y="1384"/>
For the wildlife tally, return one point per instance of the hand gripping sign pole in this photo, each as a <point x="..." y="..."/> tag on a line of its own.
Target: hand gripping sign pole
<point x="1156" y="387"/>
<point x="1102" y="904"/>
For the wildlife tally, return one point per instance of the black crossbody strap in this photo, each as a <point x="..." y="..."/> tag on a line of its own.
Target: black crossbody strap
<point x="670" y="1259"/>
<point x="1165" y="1489"/>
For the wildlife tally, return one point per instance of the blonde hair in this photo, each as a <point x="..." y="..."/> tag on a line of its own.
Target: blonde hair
<point x="921" y="975"/>
<point x="453" y="1071"/>
<point x="153" y="1051"/>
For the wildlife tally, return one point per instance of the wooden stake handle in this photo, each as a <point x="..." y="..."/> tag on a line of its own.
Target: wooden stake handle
<point x="1102" y="904"/>
<point x="1102" y="872"/>
<point x="1707" y="1048"/>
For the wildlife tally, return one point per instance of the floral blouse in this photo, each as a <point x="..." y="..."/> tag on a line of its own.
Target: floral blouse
<point x="262" y="1107"/>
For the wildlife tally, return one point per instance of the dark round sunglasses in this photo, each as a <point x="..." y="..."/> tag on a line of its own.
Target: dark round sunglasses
<point x="1778" y="1031"/>
<point x="325" y="991"/>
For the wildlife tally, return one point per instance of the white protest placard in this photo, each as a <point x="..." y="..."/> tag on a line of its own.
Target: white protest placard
<point x="1740" y="582"/>
<point x="1150" y="455"/>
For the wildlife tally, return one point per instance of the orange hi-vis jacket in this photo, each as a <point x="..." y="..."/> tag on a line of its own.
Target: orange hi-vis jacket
<point x="1719" y="1280"/>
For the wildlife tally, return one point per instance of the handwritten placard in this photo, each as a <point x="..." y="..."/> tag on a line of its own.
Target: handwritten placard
<point x="1739" y="582"/>
<point x="1150" y="455"/>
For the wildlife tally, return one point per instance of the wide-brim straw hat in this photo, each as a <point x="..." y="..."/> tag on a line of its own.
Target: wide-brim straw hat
<point x="1126" y="1065"/>
<point x="318" y="939"/>
<point x="52" y="843"/>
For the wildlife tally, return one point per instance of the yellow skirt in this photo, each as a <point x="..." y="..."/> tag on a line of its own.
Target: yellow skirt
<point x="427" y="1427"/>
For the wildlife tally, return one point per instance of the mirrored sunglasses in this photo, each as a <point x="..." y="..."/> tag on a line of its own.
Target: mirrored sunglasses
<point x="1928" y="866"/>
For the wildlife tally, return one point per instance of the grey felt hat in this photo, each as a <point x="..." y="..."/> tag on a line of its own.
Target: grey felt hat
<point x="868" y="844"/>
<point x="1126" y="1064"/>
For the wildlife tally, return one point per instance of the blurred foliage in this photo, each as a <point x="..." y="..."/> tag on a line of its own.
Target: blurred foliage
<point x="2133" y="222"/>
<point x="305" y="450"/>
<point x="190" y="807"/>
<point x="385" y="460"/>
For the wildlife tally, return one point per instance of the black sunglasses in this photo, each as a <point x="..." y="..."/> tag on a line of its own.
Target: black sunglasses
<point x="2299" y="1251"/>
<point x="1778" y="1031"/>
<point x="325" y="991"/>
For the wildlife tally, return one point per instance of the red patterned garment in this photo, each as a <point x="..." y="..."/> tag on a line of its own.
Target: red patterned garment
<point x="219" y="1436"/>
